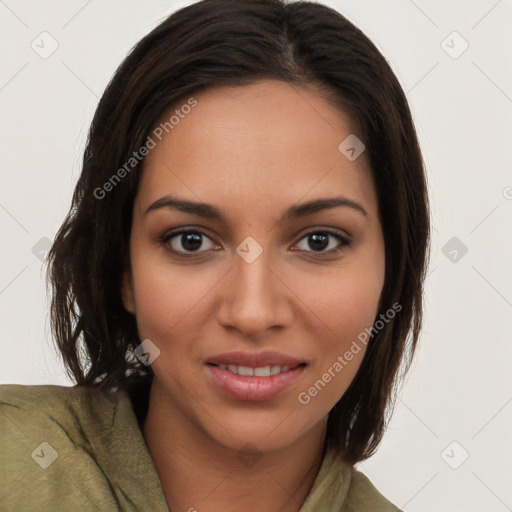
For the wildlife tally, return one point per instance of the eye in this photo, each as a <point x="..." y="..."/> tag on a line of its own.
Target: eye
<point x="186" y="241"/>
<point x="319" y="240"/>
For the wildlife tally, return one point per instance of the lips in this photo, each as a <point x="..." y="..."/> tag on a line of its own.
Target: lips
<point x="254" y="376"/>
<point x="255" y="359"/>
<point x="247" y="371"/>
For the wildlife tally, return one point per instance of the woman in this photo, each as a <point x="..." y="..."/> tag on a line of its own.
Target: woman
<point x="239" y="278"/>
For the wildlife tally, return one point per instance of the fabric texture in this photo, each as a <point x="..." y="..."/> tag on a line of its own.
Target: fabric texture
<point x="81" y="449"/>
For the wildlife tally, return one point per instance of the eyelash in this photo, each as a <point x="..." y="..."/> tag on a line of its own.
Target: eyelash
<point x="164" y="240"/>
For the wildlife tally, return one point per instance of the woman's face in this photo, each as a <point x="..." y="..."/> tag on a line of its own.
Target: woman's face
<point x="254" y="279"/>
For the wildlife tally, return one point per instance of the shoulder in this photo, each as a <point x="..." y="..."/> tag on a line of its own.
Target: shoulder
<point x="50" y="393"/>
<point x="340" y="487"/>
<point x="28" y="395"/>
<point x="26" y="409"/>
<point x="50" y="437"/>
<point x="363" y="495"/>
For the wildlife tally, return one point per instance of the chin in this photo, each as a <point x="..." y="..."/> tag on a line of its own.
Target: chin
<point x="264" y="431"/>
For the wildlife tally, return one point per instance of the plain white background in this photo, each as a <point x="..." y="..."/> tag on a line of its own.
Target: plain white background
<point x="448" y="447"/>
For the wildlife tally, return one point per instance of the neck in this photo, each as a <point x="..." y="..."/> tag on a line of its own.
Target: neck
<point x="196" y="473"/>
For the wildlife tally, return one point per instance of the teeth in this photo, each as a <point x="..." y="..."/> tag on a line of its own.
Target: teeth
<point x="245" y="371"/>
<point x="262" y="371"/>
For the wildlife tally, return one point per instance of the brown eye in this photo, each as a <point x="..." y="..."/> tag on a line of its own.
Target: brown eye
<point x="187" y="241"/>
<point x="318" y="241"/>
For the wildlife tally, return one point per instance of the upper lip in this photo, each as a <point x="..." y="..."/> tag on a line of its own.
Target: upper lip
<point x="255" y="359"/>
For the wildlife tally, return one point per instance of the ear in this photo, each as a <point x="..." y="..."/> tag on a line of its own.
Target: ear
<point x="127" y="292"/>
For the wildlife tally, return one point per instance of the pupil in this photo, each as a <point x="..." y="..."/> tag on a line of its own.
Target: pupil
<point x="319" y="239"/>
<point x="192" y="241"/>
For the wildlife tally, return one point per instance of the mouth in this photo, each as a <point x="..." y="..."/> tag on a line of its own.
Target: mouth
<point x="260" y="371"/>
<point x="255" y="360"/>
<point x="254" y="376"/>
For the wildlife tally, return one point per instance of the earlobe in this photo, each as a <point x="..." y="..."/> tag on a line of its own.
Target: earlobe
<point x="127" y="292"/>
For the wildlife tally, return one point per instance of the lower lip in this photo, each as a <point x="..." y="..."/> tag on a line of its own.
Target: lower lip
<point x="255" y="389"/>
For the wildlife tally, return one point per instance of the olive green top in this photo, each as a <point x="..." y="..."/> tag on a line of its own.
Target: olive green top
<point x="81" y="449"/>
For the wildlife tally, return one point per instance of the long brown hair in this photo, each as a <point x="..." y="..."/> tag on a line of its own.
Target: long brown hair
<point x="228" y="42"/>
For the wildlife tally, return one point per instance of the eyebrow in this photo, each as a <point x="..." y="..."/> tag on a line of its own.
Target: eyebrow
<point x="294" y="212"/>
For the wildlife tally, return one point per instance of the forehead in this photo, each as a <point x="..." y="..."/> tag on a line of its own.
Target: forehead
<point x="266" y="141"/>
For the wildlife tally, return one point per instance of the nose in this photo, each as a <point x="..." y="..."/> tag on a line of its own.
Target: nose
<point x="255" y="297"/>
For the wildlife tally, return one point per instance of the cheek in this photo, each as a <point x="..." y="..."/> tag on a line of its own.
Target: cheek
<point x="346" y="307"/>
<point x="346" y="301"/>
<point x="358" y="302"/>
<point x="173" y="302"/>
<point x="164" y="298"/>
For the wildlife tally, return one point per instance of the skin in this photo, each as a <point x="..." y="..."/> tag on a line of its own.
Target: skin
<point x="253" y="152"/>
